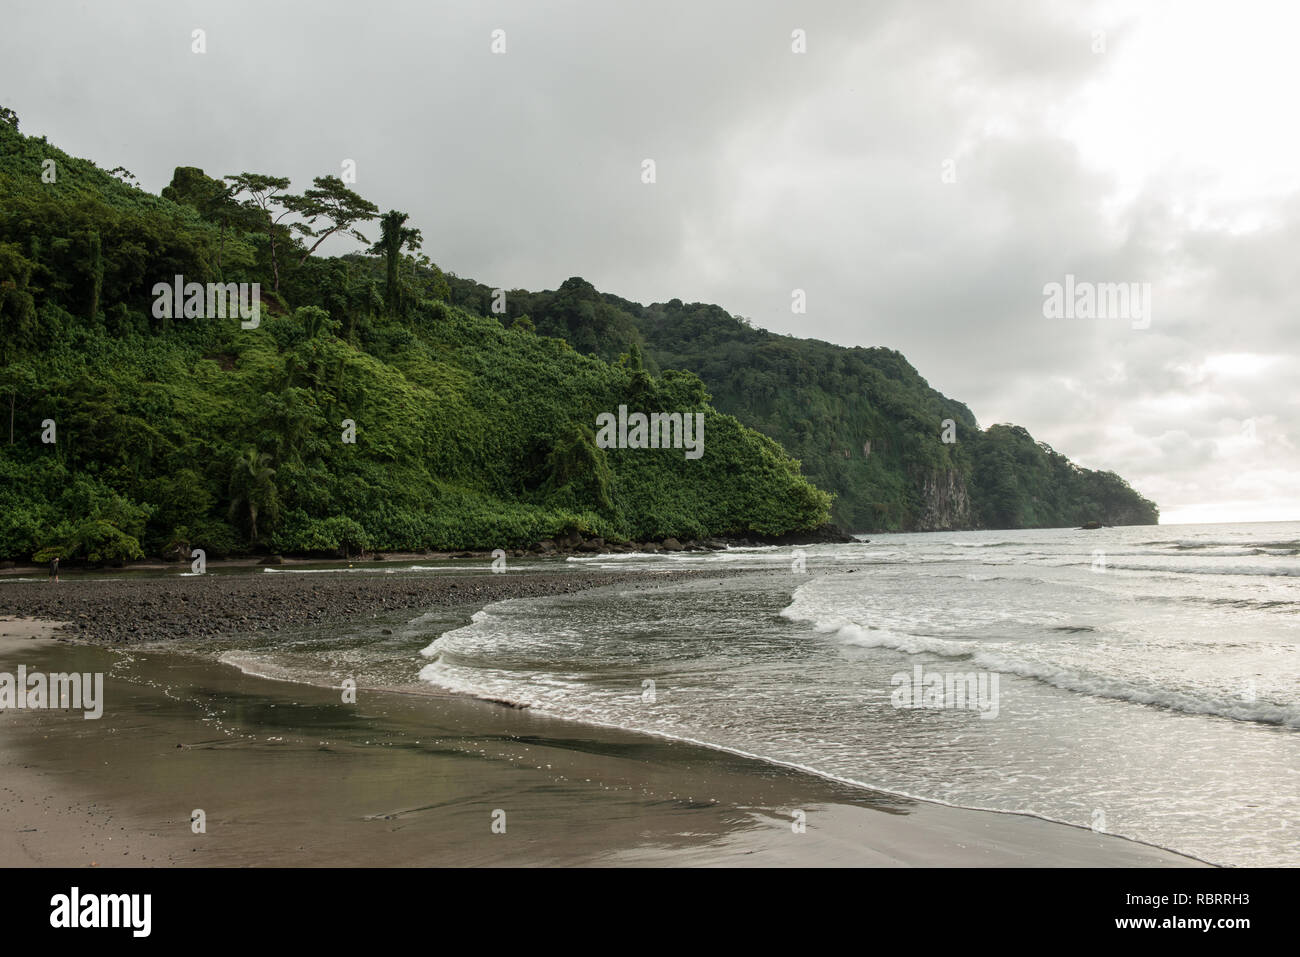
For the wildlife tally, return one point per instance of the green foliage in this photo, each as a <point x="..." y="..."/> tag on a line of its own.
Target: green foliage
<point x="1029" y="484"/>
<point x="471" y="429"/>
<point x="861" y="421"/>
<point x="340" y="207"/>
<point x="95" y="540"/>
<point x="252" y="490"/>
<point x="467" y="434"/>
<point x="394" y="236"/>
<point x="265" y="199"/>
<point x="579" y="471"/>
<point x="337" y="536"/>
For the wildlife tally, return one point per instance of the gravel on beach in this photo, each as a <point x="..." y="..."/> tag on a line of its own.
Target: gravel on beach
<point x="152" y="609"/>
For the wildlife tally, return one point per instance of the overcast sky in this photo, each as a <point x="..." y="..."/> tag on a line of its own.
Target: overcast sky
<point x="922" y="171"/>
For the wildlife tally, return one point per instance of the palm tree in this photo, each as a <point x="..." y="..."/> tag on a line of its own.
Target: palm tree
<point x="252" y="491"/>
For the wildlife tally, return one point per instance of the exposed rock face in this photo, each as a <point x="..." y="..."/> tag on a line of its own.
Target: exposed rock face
<point x="945" y="502"/>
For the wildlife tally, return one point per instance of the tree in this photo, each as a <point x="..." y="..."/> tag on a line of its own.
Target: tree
<point x="434" y="285"/>
<point x="632" y="360"/>
<point x="336" y="203"/>
<point x="264" y="194"/>
<point x="95" y="266"/>
<point x="101" y="541"/>
<point x="213" y="199"/>
<point x="579" y="471"/>
<point x="18" y="319"/>
<point x="252" y="489"/>
<point x="394" y="235"/>
<point x="15" y="380"/>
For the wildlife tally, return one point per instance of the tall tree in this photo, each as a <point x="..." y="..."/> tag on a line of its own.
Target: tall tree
<point x="265" y="193"/>
<point x="95" y="266"/>
<point x="394" y="235"/>
<point x="16" y="380"/>
<point x="334" y="202"/>
<point x="18" y="326"/>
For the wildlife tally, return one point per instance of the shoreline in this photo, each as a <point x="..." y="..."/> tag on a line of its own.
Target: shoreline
<point x="574" y="544"/>
<point x="157" y="608"/>
<point x="329" y="785"/>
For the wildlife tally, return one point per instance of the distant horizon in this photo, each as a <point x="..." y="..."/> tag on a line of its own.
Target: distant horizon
<point x="1228" y="521"/>
<point x="1162" y="524"/>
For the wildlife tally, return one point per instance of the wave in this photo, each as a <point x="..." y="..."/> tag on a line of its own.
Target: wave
<point x="1251" y="604"/>
<point x="989" y="544"/>
<point x="1264" y="712"/>
<point x="261" y="666"/>
<point x="381" y="569"/>
<point x="1254" y="571"/>
<point x="465" y="688"/>
<point x="727" y="555"/>
<point x="1192" y="544"/>
<point x="327" y="571"/>
<point x="853" y="634"/>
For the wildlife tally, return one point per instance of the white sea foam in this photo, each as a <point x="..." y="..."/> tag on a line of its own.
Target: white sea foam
<point x="1178" y="691"/>
<point x="328" y="571"/>
<point x="998" y="658"/>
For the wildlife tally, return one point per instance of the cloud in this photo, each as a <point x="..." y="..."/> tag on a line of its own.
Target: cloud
<point x="1160" y="160"/>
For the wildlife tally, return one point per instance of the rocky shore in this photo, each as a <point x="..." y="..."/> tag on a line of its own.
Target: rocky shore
<point x="576" y="543"/>
<point x="152" y="609"/>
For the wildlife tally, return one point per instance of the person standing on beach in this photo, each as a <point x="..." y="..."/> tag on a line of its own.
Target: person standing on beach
<point x="54" y="569"/>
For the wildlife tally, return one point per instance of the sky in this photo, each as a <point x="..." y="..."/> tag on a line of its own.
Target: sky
<point x="923" y="172"/>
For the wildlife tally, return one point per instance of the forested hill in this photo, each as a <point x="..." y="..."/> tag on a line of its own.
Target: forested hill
<point x="357" y="410"/>
<point x="863" y="423"/>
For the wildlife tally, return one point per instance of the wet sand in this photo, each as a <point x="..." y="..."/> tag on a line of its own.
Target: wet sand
<point x="291" y="775"/>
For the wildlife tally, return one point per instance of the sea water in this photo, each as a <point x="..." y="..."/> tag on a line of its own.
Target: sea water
<point x="1147" y="678"/>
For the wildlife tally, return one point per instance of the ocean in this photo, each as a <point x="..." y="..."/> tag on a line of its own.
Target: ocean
<point x="1139" y="681"/>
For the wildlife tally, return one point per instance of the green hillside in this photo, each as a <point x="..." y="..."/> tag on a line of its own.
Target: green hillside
<point x="864" y="424"/>
<point x="194" y="430"/>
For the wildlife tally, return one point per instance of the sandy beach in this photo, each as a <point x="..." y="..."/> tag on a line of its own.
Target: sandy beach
<point x="290" y="774"/>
